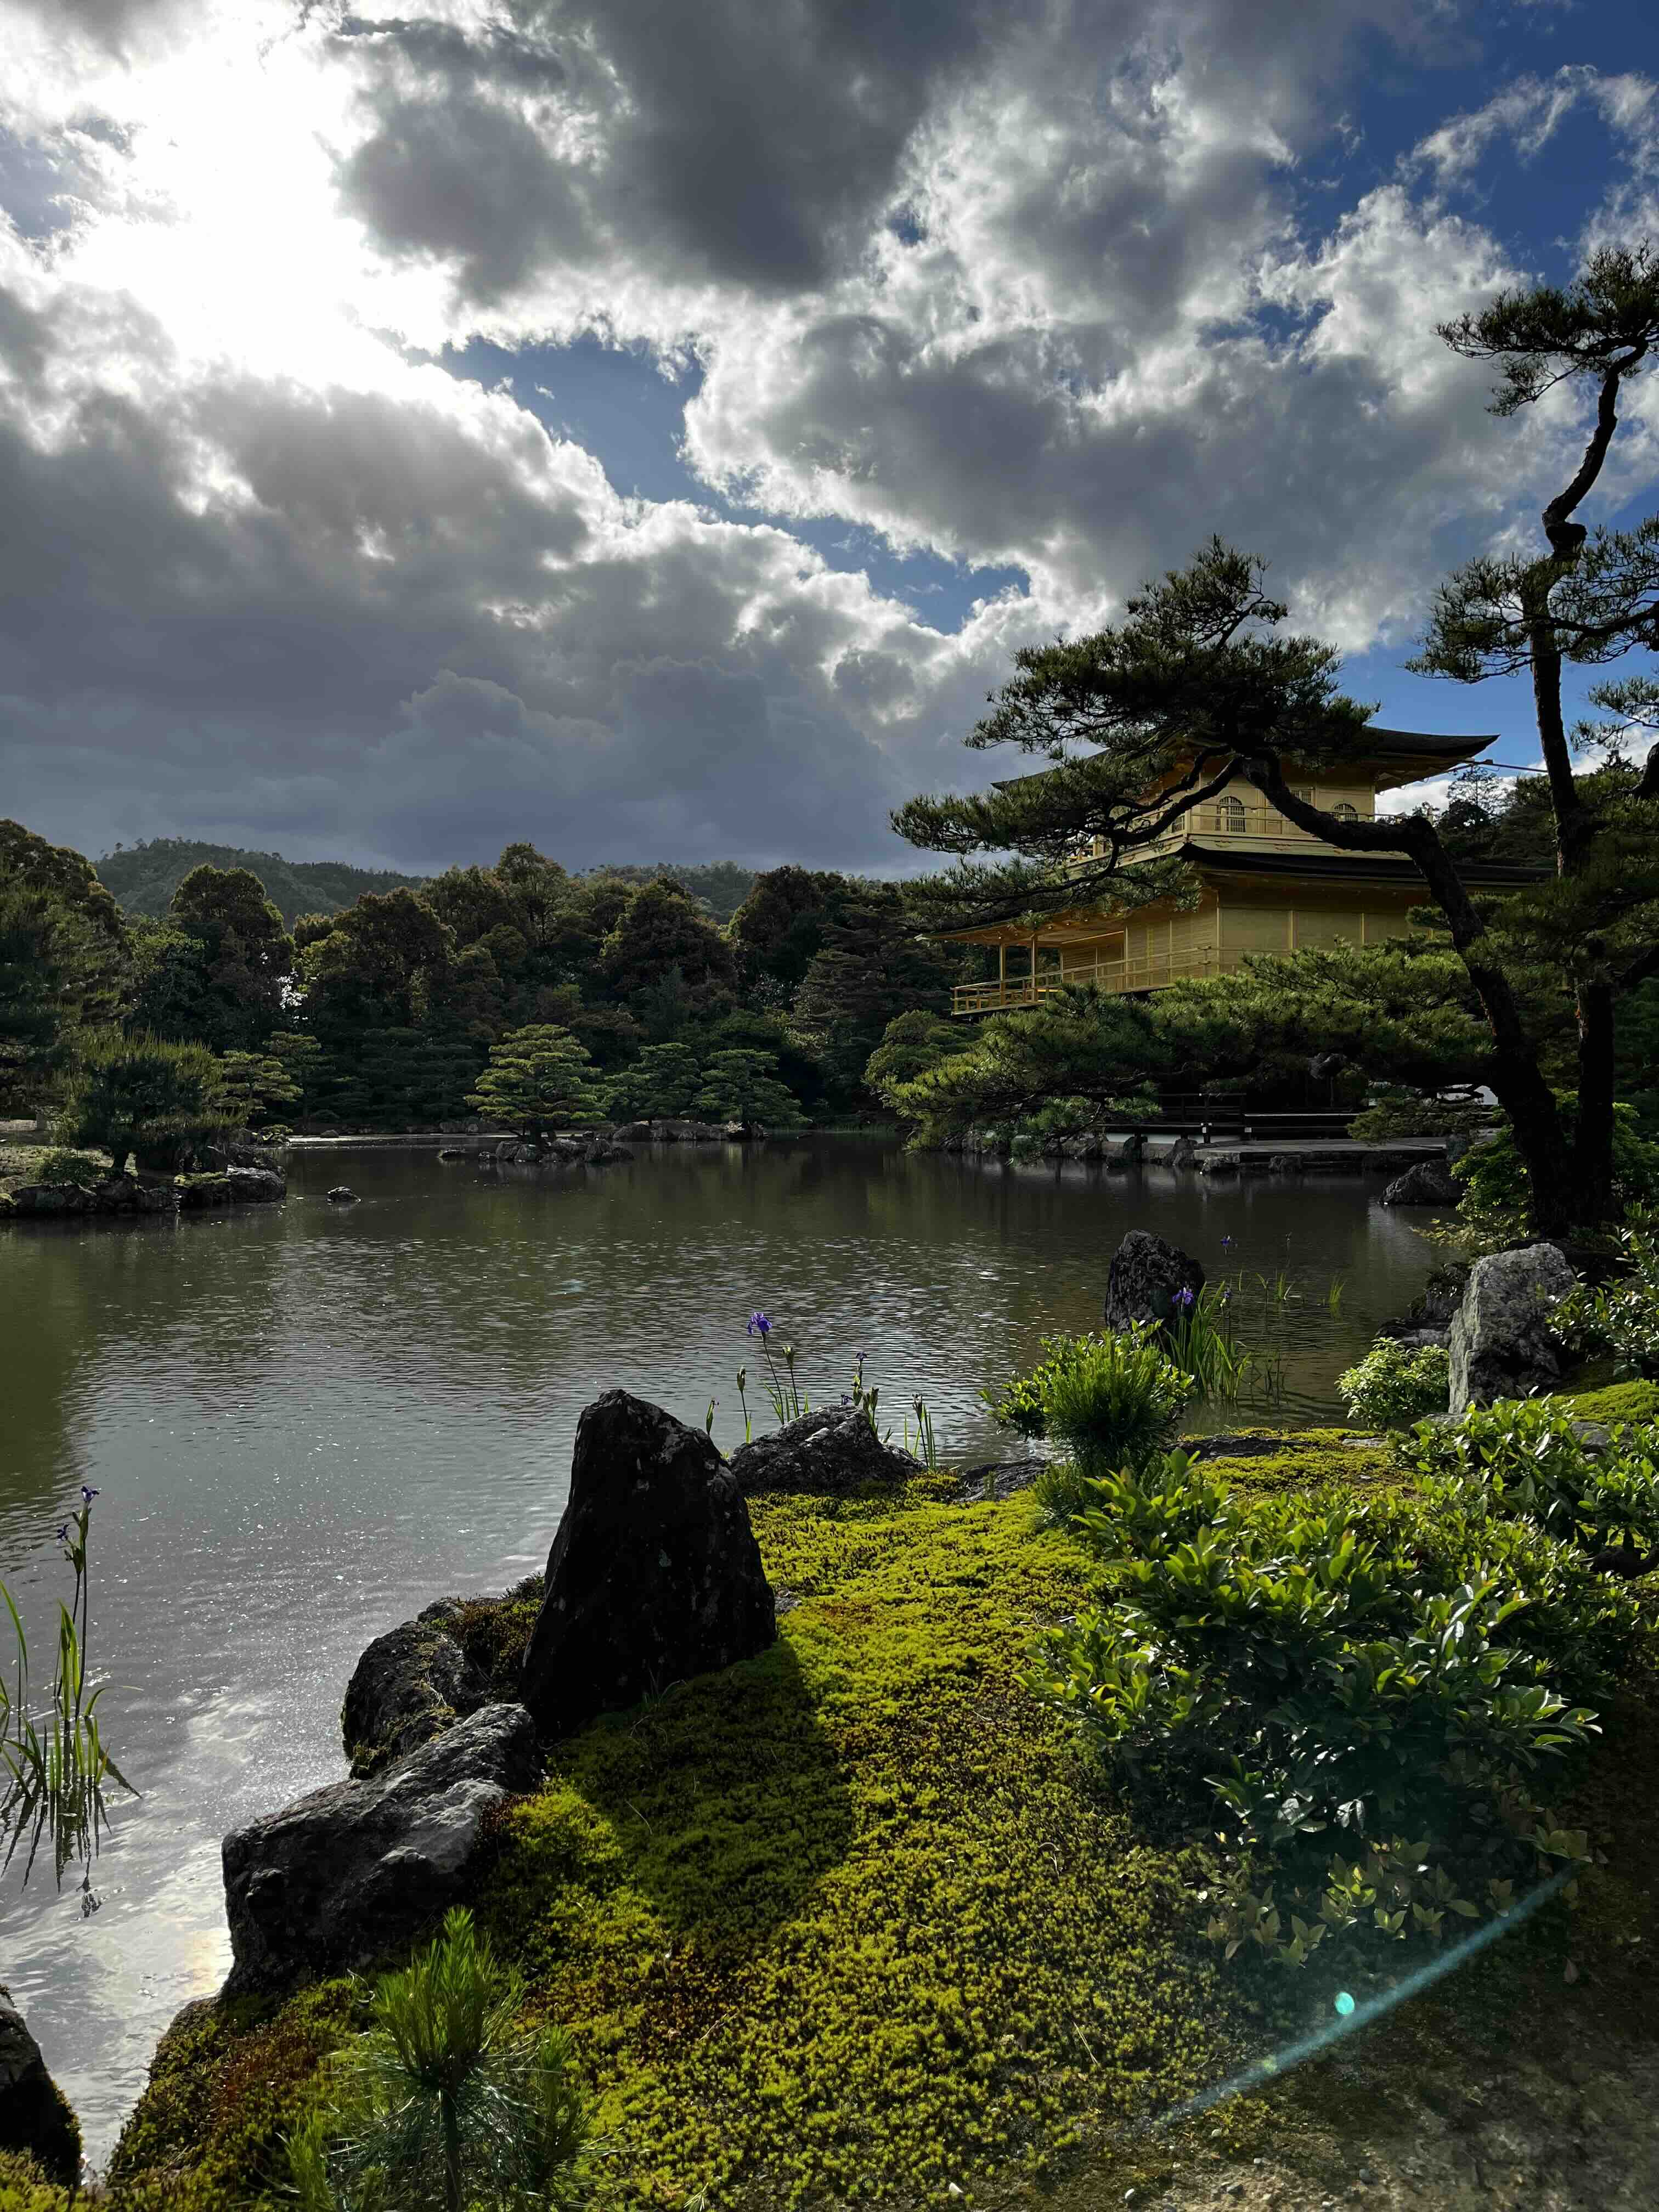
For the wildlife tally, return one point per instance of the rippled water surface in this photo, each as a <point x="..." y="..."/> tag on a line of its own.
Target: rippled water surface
<point x="308" y="1421"/>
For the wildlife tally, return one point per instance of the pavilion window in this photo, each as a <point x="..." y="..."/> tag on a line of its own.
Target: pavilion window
<point x="1230" y="817"/>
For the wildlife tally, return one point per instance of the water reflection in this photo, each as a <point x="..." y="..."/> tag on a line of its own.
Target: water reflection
<point x="308" y="1421"/>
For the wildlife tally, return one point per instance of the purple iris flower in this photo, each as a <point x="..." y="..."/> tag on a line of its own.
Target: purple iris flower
<point x="63" y="1533"/>
<point x="759" y="1326"/>
<point x="1184" y="1299"/>
<point x="88" y="1493"/>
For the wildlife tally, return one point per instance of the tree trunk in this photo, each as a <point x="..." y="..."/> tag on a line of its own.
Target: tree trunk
<point x="1543" y="1146"/>
<point x="454" y="2197"/>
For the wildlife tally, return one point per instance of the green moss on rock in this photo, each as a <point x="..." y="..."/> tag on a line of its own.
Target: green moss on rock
<point x="1637" y="1402"/>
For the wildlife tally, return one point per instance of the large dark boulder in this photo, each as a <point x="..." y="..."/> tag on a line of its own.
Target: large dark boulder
<point x="832" y="1453"/>
<point x="1502" y="1344"/>
<point x="351" y="1875"/>
<point x="35" y="2114"/>
<point x="1147" y="1279"/>
<point x="411" y="1684"/>
<point x="256" y="1186"/>
<point x="654" y="1574"/>
<point x="1430" y="1183"/>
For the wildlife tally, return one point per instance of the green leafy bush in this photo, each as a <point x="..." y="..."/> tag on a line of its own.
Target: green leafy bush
<point x="1113" y="1401"/>
<point x="1526" y="1455"/>
<point x="1622" y="1317"/>
<point x="1494" y="1176"/>
<point x="1394" y="1111"/>
<point x="1360" y="1689"/>
<point x="71" y="1167"/>
<point x="1391" y="1386"/>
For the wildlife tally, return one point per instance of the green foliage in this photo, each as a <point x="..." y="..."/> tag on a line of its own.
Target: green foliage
<point x="1394" y="1385"/>
<point x="1335" y="1671"/>
<point x="145" y="876"/>
<point x="60" y="1166"/>
<point x="911" y="1045"/>
<point x="141" y="1094"/>
<point x="251" y="1086"/>
<point x="663" y="1081"/>
<point x="244" y="956"/>
<point x="1497" y="1187"/>
<point x="1397" y="1111"/>
<point x="742" y="1085"/>
<point x="1114" y="1400"/>
<point x="1527" y="1456"/>
<point x="1622" y="1317"/>
<point x="872" y="965"/>
<point x="660" y="929"/>
<point x="537" y="1079"/>
<point x="62" y="949"/>
<point x="56" y="1763"/>
<point x="445" y="2102"/>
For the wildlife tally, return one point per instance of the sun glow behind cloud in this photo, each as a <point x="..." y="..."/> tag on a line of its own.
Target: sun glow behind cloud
<point x="1052" y="299"/>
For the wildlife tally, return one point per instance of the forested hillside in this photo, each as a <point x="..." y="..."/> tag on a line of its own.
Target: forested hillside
<point x="143" y="878"/>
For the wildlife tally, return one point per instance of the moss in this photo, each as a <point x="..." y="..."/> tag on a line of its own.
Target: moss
<point x="1618" y="1401"/>
<point x="26" y="2186"/>
<point x="227" y="2083"/>
<point x="851" y="1921"/>
<point x="494" y="1631"/>
<point x="1275" y="1459"/>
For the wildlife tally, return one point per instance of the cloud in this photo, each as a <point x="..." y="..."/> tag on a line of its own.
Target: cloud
<point x="1059" y="286"/>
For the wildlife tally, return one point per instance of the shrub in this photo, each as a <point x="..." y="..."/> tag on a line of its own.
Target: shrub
<point x="1393" y="1386"/>
<point x="71" y="1167"/>
<point x="1395" y="1112"/>
<point x="1114" y="1400"/>
<point x="143" y="1095"/>
<point x="1527" y="1456"/>
<point x="1362" y="1673"/>
<point x="1495" y="1181"/>
<point x="1622" y="1317"/>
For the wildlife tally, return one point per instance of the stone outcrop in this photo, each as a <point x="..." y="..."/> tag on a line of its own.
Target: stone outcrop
<point x="230" y="1187"/>
<point x="1182" y="1153"/>
<point x="832" y="1453"/>
<point x="35" y="2114"/>
<point x="632" y="1133"/>
<point x="654" y="1574"/>
<point x="601" y="1152"/>
<point x="47" y="1201"/>
<point x="1502" y="1345"/>
<point x="343" y="1194"/>
<point x="351" y="1875"/>
<point x="1430" y="1182"/>
<point x="409" y="1686"/>
<point x="1147" y="1279"/>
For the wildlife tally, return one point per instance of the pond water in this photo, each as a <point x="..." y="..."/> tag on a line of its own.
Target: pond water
<point x="305" y="1422"/>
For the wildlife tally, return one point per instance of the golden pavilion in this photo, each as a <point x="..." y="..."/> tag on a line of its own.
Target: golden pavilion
<point x="1265" y="885"/>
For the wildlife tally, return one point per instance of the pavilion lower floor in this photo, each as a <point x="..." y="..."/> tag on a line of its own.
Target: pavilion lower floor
<point x="1151" y="947"/>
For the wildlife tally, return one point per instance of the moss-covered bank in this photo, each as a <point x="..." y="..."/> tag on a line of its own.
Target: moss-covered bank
<point x="852" y="1922"/>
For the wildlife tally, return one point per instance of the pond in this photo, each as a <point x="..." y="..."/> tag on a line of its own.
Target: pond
<point x="307" y="1421"/>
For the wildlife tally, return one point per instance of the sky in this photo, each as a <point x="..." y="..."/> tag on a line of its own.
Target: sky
<point x="650" y="430"/>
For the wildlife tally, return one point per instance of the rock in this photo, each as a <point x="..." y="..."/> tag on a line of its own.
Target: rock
<point x="710" y="1132"/>
<point x="1146" y="1276"/>
<point x="508" y="1148"/>
<point x="41" y="1198"/>
<point x="411" y="1684"/>
<point x="350" y="1874"/>
<point x="1280" y="1163"/>
<point x="632" y="1133"/>
<point x="1502" y="1345"/>
<point x="200" y="1193"/>
<point x="1133" y="1150"/>
<point x="831" y="1453"/>
<point x="343" y="1194"/>
<point x="654" y="1574"/>
<point x="256" y="1186"/>
<point x="601" y="1153"/>
<point x="35" y="2114"/>
<point x="674" y="1131"/>
<point x="1430" y="1182"/>
<point x="451" y="1152"/>
<point x="1182" y="1153"/>
<point x="1219" y="1163"/>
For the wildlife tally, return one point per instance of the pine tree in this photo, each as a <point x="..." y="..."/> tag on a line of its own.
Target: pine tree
<point x="537" y="1079"/>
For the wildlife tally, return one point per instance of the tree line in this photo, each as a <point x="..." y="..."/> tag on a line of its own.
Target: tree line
<point x="149" y="1031"/>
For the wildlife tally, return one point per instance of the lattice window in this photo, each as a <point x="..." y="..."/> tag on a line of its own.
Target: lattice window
<point x="1345" y="812"/>
<point x="1230" y="817"/>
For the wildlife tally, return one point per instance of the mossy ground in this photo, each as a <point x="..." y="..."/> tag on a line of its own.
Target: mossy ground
<point x="851" y="1922"/>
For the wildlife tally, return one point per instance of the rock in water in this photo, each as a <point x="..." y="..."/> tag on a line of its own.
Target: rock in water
<point x="1146" y="1278"/>
<point x="831" y="1453"/>
<point x="343" y="1194"/>
<point x="1182" y="1153"/>
<point x="654" y="1574"/>
<point x="35" y="2114"/>
<point x="411" y="1684"/>
<point x="1430" y="1182"/>
<point x="1502" y="1345"/>
<point x="351" y="1875"/>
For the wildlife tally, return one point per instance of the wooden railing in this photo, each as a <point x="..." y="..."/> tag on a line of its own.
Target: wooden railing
<point x="1152" y="973"/>
<point x="1217" y="820"/>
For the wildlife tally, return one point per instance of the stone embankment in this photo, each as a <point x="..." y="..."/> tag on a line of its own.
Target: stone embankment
<point x="130" y="1195"/>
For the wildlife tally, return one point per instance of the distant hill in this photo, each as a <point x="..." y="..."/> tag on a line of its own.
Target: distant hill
<point x="143" y="878"/>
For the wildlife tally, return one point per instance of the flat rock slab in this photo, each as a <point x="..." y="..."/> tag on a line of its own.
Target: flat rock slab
<point x="351" y="1875"/>
<point x="833" y="1453"/>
